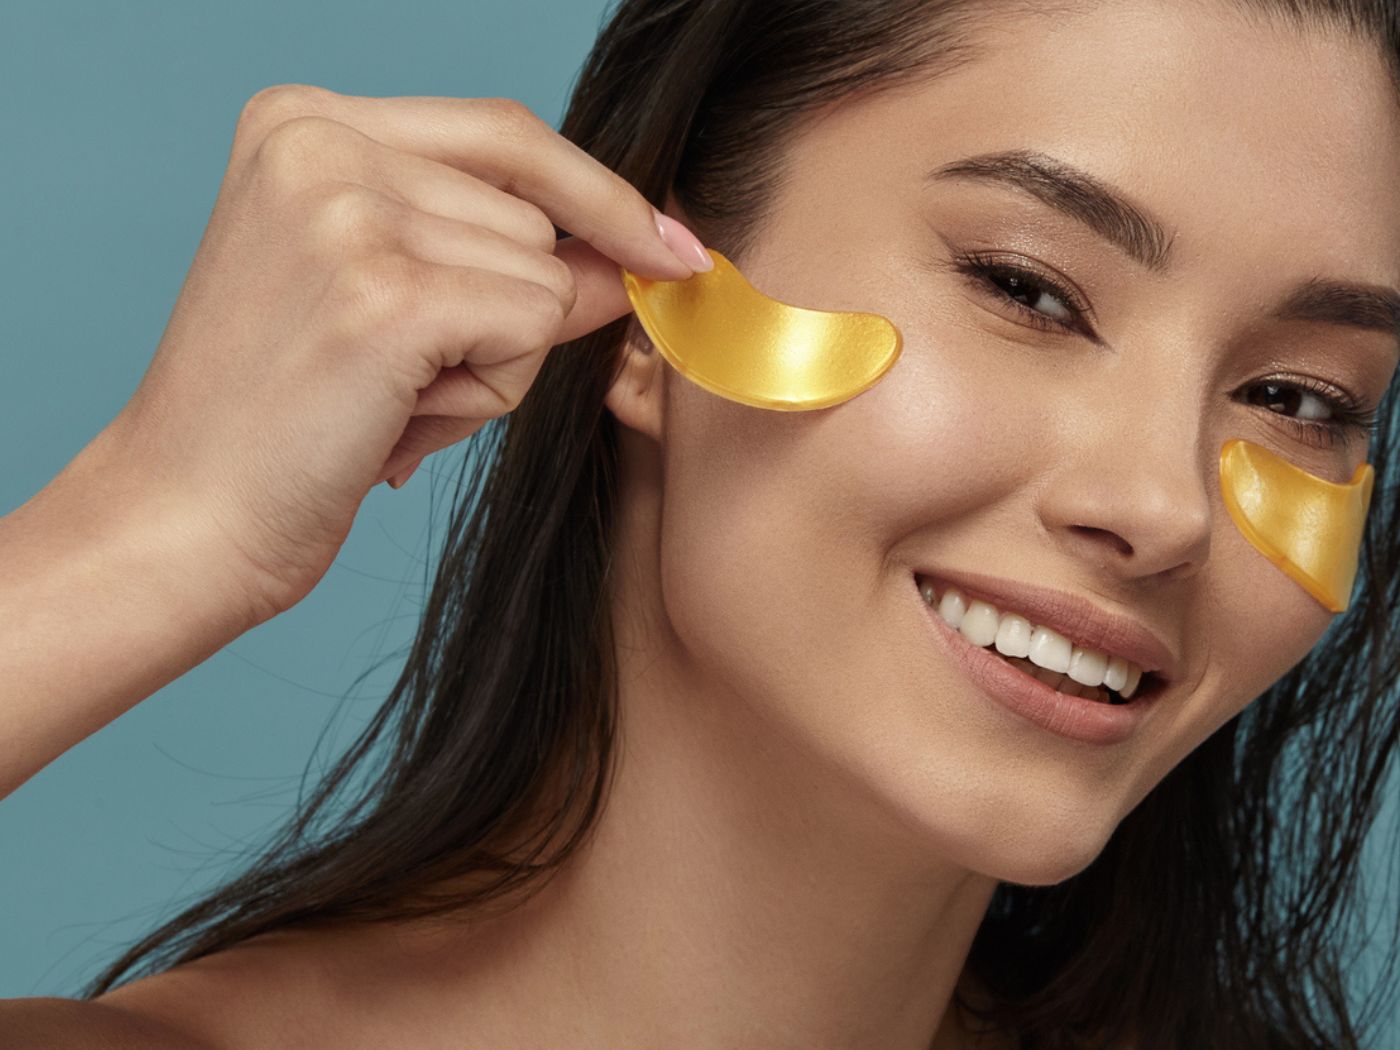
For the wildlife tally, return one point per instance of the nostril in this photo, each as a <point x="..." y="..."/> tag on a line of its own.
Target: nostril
<point x="1111" y="538"/>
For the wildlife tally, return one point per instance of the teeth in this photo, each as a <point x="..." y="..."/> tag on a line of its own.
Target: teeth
<point x="1115" y="676"/>
<point x="1087" y="666"/>
<point x="979" y="623"/>
<point x="1013" y="635"/>
<point x="1053" y="655"/>
<point x="952" y="608"/>
<point x="1134" y="677"/>
<point x="1050" y="650"/>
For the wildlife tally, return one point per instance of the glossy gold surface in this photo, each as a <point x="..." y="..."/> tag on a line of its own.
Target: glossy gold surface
<point x="723" y="334"/>
<point x="1309" y="527"/>
<point x="720" y="332"/>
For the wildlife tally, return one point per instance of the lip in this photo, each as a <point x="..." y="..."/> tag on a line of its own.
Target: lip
<point x="1079" y="620"/>
<point x="1071" y="717"/>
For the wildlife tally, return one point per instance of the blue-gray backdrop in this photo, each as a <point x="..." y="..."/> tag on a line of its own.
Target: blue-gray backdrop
<point x="115" y="126"/>
<point x="116" y="120"/>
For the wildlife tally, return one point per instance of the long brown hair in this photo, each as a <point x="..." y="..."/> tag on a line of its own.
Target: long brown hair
<point x="1219" y="913"/>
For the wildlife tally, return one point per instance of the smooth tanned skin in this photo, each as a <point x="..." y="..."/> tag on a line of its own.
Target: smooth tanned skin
<point x="46" y="1022"/>
<point x="813" y="804"/>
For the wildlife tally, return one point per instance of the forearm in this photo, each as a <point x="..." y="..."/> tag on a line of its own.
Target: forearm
<point x="104" y="599"/>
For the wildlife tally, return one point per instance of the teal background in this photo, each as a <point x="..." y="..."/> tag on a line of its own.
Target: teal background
<point x="116" y="120"/>
<point x="115" y="125"/>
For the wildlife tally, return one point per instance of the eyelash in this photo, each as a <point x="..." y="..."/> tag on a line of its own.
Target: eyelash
<point x="1349" y="421"/>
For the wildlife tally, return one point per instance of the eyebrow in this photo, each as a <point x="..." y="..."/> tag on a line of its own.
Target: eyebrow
<point x="1135" y="232"/>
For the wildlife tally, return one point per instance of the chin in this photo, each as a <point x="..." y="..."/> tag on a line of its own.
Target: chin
<point x="1008" y="828"/>
<point x="1042" y="869"/>
<point x="1036" y="848"/>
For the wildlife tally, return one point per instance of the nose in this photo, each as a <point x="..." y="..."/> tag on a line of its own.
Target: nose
<point x="1131" y="489"/>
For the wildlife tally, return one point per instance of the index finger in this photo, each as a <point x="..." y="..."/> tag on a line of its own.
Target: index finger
<point x="500" y="141"/>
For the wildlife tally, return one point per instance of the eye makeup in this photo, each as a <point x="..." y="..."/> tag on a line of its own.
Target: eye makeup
<point x="1003" y="279"/>
<point x="992" y="276"/>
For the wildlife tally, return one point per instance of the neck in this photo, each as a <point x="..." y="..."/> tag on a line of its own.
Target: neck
<point x="735" y="891"/>
<point x="737" y="894"/>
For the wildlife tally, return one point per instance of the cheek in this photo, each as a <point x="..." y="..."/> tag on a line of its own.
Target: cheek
<point x="944" y="438"/>
<point x="780" y="491"/>
<point x="776" y="527"/>
<point x="1252" y="624"/>
<point x="1260" y="624"/>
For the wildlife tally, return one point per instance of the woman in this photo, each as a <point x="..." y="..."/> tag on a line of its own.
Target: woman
<point x="681" y="757"/>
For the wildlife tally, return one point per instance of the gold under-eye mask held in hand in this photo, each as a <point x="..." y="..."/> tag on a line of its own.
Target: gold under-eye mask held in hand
<point x="1309" y="527"/>
<point x="725" y="335"/>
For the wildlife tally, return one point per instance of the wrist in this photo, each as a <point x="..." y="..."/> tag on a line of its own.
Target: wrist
<point x="147" y="545"/>
<point x="105" y="598"/>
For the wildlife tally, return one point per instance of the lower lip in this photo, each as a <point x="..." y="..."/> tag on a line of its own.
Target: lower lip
<point x="1072" y="717"/>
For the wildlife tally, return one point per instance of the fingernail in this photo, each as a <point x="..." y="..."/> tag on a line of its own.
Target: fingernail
<point x="684" y="245"/>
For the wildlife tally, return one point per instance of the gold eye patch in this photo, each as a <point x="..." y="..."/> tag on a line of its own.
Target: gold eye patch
<point x="725" y="335"/>
<point x="1309" y="527"/>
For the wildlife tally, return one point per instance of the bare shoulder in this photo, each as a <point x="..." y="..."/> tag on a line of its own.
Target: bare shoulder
<point x="44" y="1023"/>
<point x="266" y="992"/>
<point x="339" y="986"/>
<point x="271" y="990"/>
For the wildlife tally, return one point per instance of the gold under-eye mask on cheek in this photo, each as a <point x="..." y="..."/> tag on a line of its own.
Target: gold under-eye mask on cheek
<point x="1309" y="527"/>
<point x="725" y="335"/>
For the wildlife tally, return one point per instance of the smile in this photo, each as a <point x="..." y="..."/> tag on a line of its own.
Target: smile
<point x="1075" y="692"/>
<point x="1038" y="650"/>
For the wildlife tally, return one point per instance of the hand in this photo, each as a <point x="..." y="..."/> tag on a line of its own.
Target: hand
<point x="378" y="279"/>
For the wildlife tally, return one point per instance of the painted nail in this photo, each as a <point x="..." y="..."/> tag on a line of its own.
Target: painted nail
<point x="684" y="245"/>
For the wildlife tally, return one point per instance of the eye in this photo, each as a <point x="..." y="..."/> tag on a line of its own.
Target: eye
<point x="1291" y="396"/>
<point x="1046" y="304"/>
<point x="1040" y="301"/>
<point x="1343" y="417"/>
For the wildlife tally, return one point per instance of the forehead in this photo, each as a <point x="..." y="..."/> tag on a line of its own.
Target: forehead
<point x="1233" y="130"/>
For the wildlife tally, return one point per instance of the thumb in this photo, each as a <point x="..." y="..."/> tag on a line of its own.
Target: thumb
<point x="601" y="296"/>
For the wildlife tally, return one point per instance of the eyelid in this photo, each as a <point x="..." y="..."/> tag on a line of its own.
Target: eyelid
<point x="972" y="265"/>
<point x="1348" y="411"/>
<point x="1349" y="420"/>
<point x="1057" y="282"/>
<point x="1352" y="421"/>
<point x="1335" y="395"/>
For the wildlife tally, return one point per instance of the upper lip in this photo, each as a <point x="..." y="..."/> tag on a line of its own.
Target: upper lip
<point x="1078" y="619"/>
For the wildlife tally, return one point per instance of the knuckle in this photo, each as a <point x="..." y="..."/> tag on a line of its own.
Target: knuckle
<point x="276" y="98"/>
<point x="562" y="281"/>
<point x="272" y="105"/>
<point x="543" y="309"/>
<point x="295" y="148"/>
<point x="620" y="201"/>
<point x="346" y="212"/>
<point x="379" y="288"/>
<point x="538" y="228"/>
<point x="506" y="108"/>
<point x="511" y="117"/>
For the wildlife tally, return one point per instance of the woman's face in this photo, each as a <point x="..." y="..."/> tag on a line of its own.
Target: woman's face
<point x="1084" y="459"/>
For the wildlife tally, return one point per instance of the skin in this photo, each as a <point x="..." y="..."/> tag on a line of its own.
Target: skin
<point x="813" y="804"/>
